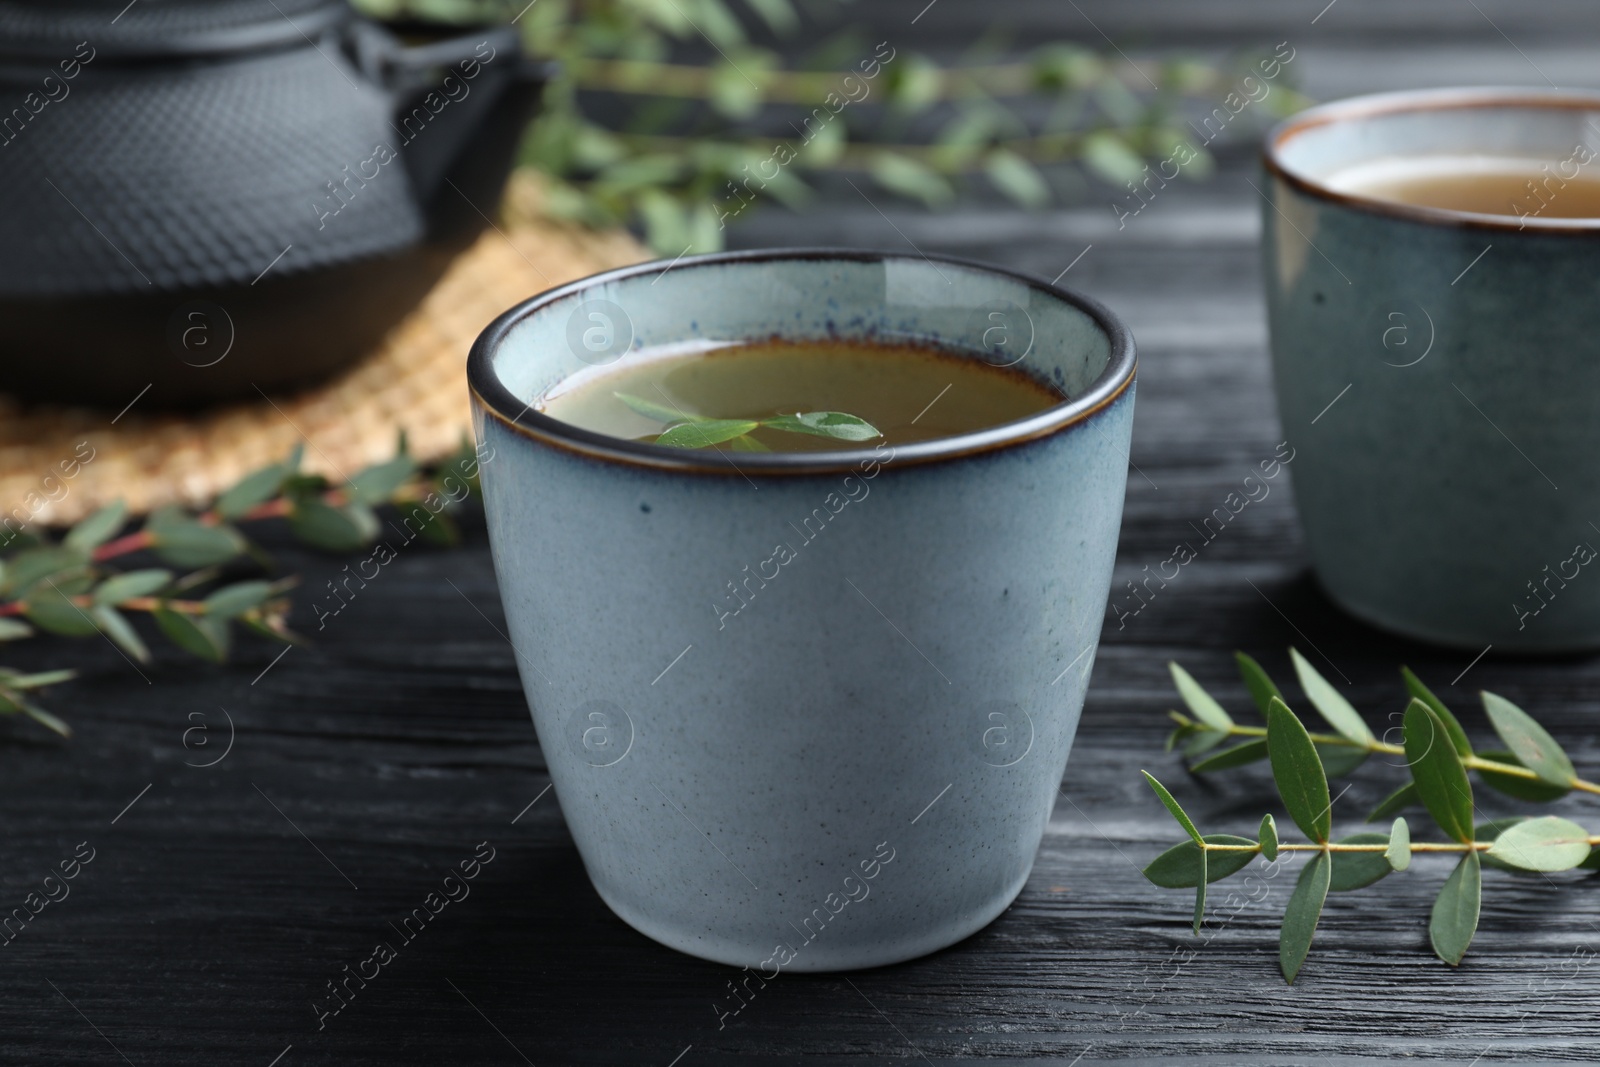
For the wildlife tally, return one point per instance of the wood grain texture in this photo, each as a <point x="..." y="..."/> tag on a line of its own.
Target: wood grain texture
<point x="218" y="906"/>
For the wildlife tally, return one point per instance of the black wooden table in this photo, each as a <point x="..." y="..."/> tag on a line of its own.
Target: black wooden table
<point x="221" y="902"/>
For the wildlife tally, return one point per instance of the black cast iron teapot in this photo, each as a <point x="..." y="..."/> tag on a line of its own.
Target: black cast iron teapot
<point x="213" y="197"/>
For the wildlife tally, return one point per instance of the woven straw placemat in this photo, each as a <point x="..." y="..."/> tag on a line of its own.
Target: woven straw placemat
<point x="416" y="380"/>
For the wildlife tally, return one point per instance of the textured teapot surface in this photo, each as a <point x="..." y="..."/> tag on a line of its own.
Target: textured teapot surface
<point x="301" y="173"/>
<point x="193" y="172"/>
<point x="157" y="29"/>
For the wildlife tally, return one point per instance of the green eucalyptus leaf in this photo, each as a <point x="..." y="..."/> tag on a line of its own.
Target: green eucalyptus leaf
<point x="378" y="483"/>
<point x="716" y="21"/>
<point x="1205" y="708"/>
<point x="1513" y="785"/>
<point x="1202" y="741"/>
<point x="332" y="529"/>
<point x="233" y="600"/>
<point x="646" y="175"/>
<point x="298" y="485"/>
<point x="666" y="219"/>
<point x="834" y="424"/>
<point x="1535" y="748"/>
<point x="962" y="140"/>
<point x="1357" y="870"/>
<point x="217" y="632"/>
<point x="45" y="719"/>
<point x="1179" y="866"/>
<point x="731" y="93"/>
<point x="124" y="587"/>
<point x="659" y="412"/>
<point x="186" y="542"/>
<point x="1017" y="178"/>
<point x="909" y="178"/>
<point x="271" y="628"/>
<point x="1301" y="915"/>
<point x="1455" y="911"/>
<point x="115" y="626"/>
<point x="1398" y="854"/>
<point x="252" y="490"/>
<point x="1119" y="102"/>
<point x="49" y="608"/>
<point x="746" y="443"/>
<point x="1269" y="836"/>
<point x="442" y="530"/>
<point x="365" y="519"/>
<point x="187" y="633"/>
<point x="1203" y="859"/>
<point x="1489" y="831"/>
<point x="780" y="15"/>
<point x="1262" y="688"/>
<point x="1251" y="751"/>
<point x="1345" y="720"/>
<point x="1458" y="736"/>
<point x="914" y="83"/>
<point x="24" y="539"/>
<point x="1548" y="843"/>
<point x="14" y="629"/>
<point x="705" y="433"/>
<point x="73" y="583"/>
<point x="97" y="529"/>
<point x="33" y="565"/>
<point x="1186" y="729"/>
<point x="39" y="680"/>
<point x="1298" y="773"/>
<point x="1172" y="806"/>
<point x="1399" y="800"/>
<point x="1108" y="156"/>
<point x="826" y="146"/>
<point x="1340" y="760"/>
<point x="1060" y="66"/>
<point x="1438" y="772"/>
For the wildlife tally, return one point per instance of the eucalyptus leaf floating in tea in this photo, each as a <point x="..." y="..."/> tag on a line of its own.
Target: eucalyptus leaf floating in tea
<point x="796" y="396"/>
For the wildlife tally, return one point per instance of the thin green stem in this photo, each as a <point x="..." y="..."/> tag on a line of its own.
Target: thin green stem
<point x="1416" y="846"/>
<point x="695" y="82"/>
<point x="1041" y="149"/>
<point x="1475" y="762"/>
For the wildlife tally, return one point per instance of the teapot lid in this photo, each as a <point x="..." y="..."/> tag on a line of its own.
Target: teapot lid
<point x="49" y="30"/>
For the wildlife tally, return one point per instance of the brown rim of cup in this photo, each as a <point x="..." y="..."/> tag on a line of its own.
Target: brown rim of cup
<point x="499" y="403"/>
<point x="1356" y="108"/>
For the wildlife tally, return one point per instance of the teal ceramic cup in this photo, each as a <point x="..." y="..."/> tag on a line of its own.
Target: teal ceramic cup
<point x="806" y="711"/>
<point x="1438" y="371"/>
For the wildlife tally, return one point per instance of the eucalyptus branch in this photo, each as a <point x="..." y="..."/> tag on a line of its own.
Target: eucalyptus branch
<point x="1472" y="760"/>
<point x="695" y="82"/>
<point x="1335" y="846"/>
<point x="68" y="587"/>
<point x="681" y="164"/>
<point x="1039" y="149"/>
<point x="1438" y="756"/>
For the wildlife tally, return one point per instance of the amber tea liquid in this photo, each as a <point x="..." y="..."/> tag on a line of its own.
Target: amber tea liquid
<point x="1568" y="188"/>
<point x="908" y="392"/>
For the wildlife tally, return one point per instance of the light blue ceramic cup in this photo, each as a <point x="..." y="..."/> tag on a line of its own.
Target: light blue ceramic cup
<point x="1438" y="372"/>
<point x="806" y="711"/>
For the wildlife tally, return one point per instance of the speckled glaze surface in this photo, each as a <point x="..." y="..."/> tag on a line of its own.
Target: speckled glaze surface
<point x="808" y="713"/>
<point x="1438" y="373"/>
